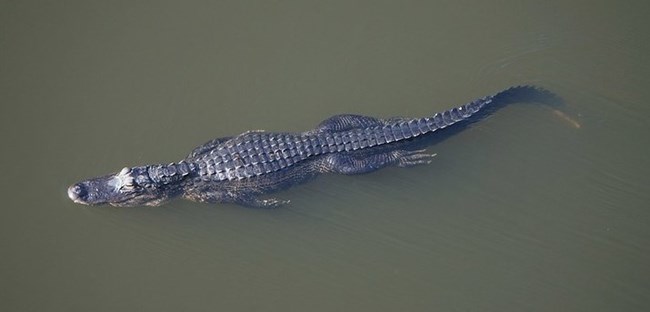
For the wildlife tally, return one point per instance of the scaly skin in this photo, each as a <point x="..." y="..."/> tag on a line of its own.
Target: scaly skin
<point x="240" y="169"/>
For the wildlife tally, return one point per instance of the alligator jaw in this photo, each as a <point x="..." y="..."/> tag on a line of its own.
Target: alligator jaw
<point x="129" y="187"/>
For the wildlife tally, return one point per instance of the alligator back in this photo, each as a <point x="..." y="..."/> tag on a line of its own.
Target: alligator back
<point x="257" y="153"/>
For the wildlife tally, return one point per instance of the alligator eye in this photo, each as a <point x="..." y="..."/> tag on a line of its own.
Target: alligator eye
<point x="125" y="170"/>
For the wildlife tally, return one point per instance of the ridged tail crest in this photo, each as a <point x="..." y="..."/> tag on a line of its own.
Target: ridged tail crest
<point x="378" y="132"/>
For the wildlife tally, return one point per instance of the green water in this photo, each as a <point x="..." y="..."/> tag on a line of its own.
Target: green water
<point x="526" y="211"/>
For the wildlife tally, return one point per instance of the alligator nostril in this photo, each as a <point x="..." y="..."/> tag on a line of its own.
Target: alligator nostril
<point x="76" y="192"/>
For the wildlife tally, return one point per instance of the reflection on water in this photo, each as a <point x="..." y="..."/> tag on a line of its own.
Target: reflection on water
<point x="530" y="209"/>
<point x="570" y="121"/>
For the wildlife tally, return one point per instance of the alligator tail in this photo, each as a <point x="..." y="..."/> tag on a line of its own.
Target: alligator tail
<point x="483" y="107"/>
<point x="463" y="115"/>
<point x="395" y="130"/>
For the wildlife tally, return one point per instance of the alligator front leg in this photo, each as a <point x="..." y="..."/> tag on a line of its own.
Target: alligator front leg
<point x="207" y="146"/>
<point x="252" y="201"/>
<point x="241" y="198"/>
<point x="355" y="164"/>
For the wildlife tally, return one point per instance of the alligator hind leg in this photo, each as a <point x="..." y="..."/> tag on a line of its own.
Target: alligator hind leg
<point x="354" y="164"/>
<point x="413" y="158"/>
<point x="347" y="122"/>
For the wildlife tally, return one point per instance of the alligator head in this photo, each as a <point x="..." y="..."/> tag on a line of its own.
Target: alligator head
<point x="129" y="187"/>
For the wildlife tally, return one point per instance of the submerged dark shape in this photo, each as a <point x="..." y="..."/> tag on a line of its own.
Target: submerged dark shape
<point x="242" y="168"/>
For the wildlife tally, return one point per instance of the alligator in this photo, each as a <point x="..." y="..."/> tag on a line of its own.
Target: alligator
<point x="243" y="169"/>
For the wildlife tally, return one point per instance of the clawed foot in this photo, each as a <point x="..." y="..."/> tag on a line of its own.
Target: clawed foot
<point x="412" y="158"/>
<point x="271" y="203"/>
<point x="252" y="201"/>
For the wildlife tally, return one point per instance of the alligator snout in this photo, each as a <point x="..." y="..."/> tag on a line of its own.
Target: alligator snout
<point x="77" y="193"/>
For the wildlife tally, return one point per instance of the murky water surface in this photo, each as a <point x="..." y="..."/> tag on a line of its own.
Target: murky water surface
<point x="530" y="210"/>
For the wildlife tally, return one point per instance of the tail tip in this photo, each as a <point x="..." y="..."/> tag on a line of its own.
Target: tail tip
<point x="530" y="93"/>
